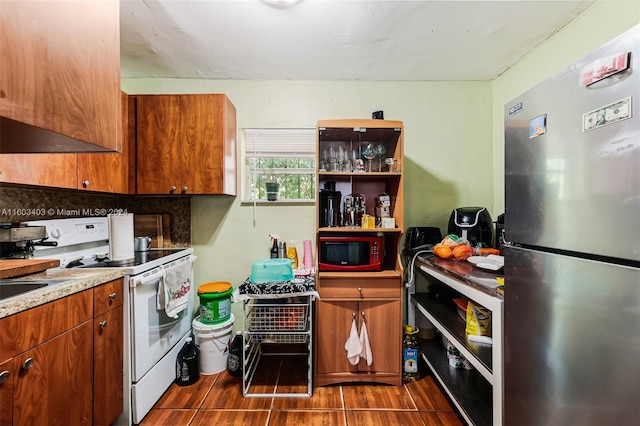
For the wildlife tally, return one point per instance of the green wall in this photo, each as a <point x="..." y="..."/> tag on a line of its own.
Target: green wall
<point x="448" y="155"/>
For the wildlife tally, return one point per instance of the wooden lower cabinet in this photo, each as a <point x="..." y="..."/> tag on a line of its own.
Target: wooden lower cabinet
<point x="108" y="352"/>
<point x="56" y="388"/>
<point x="384" y="327"/>
<point x="6" y="392"/>
<point x="62" y="362"/>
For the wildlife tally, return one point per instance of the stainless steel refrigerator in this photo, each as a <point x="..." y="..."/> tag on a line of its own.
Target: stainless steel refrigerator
<point x="572" y="268"/>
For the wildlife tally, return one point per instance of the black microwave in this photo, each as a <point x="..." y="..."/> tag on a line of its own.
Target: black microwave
<point x="350" y="253"/>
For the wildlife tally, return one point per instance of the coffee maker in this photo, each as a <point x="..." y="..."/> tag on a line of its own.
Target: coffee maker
<point x="472" y="224"/>
<point x="330" y="200"/>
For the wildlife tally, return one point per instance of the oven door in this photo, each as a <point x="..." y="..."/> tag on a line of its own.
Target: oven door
<point x="153" y="332"/>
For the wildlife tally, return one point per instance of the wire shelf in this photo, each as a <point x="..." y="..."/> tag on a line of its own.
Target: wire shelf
<point x="278" y="317"/>
<point x="279" y="337"/>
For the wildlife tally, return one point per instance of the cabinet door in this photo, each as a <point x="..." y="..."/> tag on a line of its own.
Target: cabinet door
<point x="384" y="330"/>
<point x="7" y="377"/>
<point x="107" y="369"/>
<point x="57" y="170"/>
<point x="333" y="323"/>
<point x="61" y="70"/>
<point x="159" y="137"/>
<point x="208" y="145"/>
<point x="108" y="172"/>
<point x="55" y="387"/>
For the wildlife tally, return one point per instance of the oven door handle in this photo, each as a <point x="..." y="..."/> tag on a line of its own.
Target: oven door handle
<point x="144" y="280"/>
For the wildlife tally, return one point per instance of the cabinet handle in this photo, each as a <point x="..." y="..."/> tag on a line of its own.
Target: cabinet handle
<point x="112" y="296"/>
<point x="85" y="183"/>
<point x="173" y="188"/>
<point x="4" y="376"/>
<point x="360" y="289"/>
<point x="103" y="324"/>
<point x="184" y="189"/>
<point x="28" y="363"/>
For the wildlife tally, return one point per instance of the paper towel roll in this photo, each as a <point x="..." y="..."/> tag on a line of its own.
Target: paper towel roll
<point x="121" y="237"/>
<point x="307" y="260"/>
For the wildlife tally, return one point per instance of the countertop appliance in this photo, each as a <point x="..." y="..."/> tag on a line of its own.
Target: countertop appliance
<point x="572" y="268"/>
<point x="330" y="200"/>
<point x="152" y="339"/>
<point x="350" y="253"/>
<point x="472" y="224"/>
<point x="421" y="237"/>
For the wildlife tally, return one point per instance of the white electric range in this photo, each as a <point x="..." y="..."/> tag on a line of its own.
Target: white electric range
<point x="152" y="339"/>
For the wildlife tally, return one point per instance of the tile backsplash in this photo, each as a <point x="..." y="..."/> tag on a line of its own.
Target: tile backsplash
<point x="20" y="204"/>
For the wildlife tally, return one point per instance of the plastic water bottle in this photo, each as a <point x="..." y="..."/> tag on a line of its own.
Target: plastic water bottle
<point x="234" y="360"/>
<point x="410" y="351"/>
<point x="187" y="371"/>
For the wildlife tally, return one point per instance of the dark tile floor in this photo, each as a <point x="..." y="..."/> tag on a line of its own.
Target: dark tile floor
<point x="217" y="400"/>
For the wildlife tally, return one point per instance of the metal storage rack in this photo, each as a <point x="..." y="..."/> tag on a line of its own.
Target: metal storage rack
<point x="276" y="321"/>
<point x="479" y="394"/>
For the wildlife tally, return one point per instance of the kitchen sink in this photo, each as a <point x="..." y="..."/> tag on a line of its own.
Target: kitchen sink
<point x="11" y="288"/>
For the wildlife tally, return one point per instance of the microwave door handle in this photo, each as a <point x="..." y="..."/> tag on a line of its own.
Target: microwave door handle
<point x="144" y="280"/>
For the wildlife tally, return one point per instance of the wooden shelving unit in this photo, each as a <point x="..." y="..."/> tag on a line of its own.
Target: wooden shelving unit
<point x="372" y="297"/>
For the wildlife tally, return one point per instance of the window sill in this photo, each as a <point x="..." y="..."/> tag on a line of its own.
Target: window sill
<point x="279" y="203"/>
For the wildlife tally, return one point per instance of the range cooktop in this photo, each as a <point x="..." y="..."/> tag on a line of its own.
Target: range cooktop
<point x="141" y="258"/>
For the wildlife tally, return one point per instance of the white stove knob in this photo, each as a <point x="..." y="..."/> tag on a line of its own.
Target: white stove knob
<point x="55" y="233"/>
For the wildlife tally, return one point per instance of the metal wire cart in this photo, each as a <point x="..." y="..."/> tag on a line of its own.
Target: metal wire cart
<point x="278" y="322"/>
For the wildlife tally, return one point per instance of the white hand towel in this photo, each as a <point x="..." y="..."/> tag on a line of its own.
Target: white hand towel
<point x="176" y="288"/>
<point x="352" y="345"/>
<point x="364" y="342"/>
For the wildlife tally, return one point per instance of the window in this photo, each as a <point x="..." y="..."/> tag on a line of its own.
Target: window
<point x="286" y="156"/>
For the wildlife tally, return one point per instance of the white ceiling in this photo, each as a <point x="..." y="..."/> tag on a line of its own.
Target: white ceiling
<point x="335" y="40"/>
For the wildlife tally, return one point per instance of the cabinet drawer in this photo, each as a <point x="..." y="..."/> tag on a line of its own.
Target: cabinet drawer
<point x="359" y="288"/>
<point x="108" y="296"/>
<point x="30" y="328"/>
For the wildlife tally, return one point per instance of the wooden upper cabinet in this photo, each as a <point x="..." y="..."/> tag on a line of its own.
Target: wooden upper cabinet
<point x="109" y="172"/>
<point x="57" y="170"/>
<point x="60" y="76"/>
<point x="186" y="144"/>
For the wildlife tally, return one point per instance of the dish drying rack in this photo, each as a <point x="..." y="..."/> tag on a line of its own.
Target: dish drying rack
<point x="269" y="321"/>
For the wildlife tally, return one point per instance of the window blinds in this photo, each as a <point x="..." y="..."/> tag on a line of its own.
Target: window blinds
<point x="280" y="142"/>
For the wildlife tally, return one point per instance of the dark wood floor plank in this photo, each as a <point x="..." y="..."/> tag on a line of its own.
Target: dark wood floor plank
<point x="377" y="397"/>
<point x="187" y="396"/>
<point x="168" y="417"/>
<point x="427" y="395"/>
<point x="230" y="418"/>
<point x="382" y="418"/>
<point x="307" y="418"/>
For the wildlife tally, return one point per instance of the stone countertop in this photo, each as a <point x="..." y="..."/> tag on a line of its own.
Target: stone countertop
<point x="75" y="280"/>
<point x="480" y="279"/>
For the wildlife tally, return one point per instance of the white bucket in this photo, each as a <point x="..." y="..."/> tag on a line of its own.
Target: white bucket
<point x="214" y="341"/>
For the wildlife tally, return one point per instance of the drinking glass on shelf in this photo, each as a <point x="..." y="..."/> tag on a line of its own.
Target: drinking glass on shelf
<point x="332" y="159"/>
<point x="380" y="152"/>
<point x="368" y="153"/>
<point x="389" y="162"/>
<point x="341" y="158"/>
<point x="325" y="160"/>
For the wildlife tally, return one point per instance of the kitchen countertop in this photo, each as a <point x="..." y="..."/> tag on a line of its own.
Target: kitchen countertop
<point x="76" y="281"/>
<point x="467" y="272"/>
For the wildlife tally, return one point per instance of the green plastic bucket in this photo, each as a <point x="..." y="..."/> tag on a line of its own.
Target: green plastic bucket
<point x="215" y="302"/>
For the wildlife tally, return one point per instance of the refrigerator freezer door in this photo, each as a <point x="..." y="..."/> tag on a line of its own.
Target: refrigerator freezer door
<point x="571" y="189"/>
<point x="572" y="341"/>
